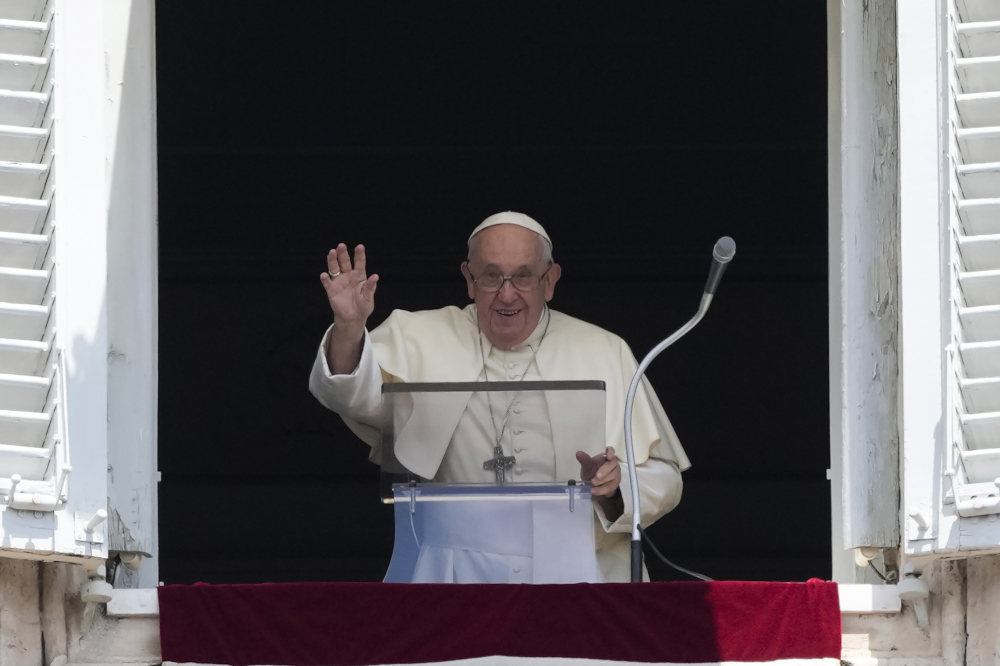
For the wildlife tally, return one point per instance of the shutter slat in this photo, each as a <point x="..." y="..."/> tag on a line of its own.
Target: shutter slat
<point x="22" y="108"/>
<point x="980" y="324"/>
<point x="22" y="73"/>
<point x="979" y="10"/>
<point x="23" y="393"/>
<point x="20" y="215"/>
<point x="27" y="461"/>
<point x="980" y="144"/>
<point x="979" y="253"/>
<point x="22" y="179"/>
<point x="979" y="216"/>
<point x="23" y="428"/>
<point x="981" y="433"/>
<point x="980" y="181"/>
<point x="23" y="322"/>
<point x="21" y="286"/>
<point x="22" y="10"/>
<point x="979" y="39"/>
<point x="978" y="109"/>
<point x="983" y="466"/>
<point x="23" y="37"/>
<point x="979" y="75"/>
<point x="981" y="359"/>
<point x="979" y="288"/>
<point x="21" y="357"/>
<point x="981" y="395"/>
<point x="21" y="144"/>
<point x="22" y="250"/>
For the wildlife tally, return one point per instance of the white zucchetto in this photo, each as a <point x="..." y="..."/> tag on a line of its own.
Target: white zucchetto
<point x="509" y="217"/>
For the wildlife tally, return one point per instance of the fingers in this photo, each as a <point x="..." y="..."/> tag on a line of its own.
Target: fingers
<point x="338" y="260"/>
<point x="602" y="472"/>
<point x="607" y="480"/>
<point x="368" y="287"/>
<point x="331" y="260"/>
<point x="343" y="260"/>
<point x="330" y="283"/>
<point x="605" y="490"/>
<point x="360" y="259"/>
<point x="587" y="466"/>
<point x="606" y="470"/>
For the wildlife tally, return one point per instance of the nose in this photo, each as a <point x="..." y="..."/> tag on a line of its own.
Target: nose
<point x="507" y="292"/>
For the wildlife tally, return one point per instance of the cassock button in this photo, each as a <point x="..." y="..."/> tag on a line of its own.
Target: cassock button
<point x="518" y="449"/>
<point x="511" y="365"/>
<point x="518" y="411"/>
<point x="512" y="376"/>
<point x="517" y="432"/>
<point x="518" y="470"/>
<point x="517" y="569"/>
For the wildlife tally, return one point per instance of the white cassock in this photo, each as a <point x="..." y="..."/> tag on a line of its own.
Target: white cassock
<point x="444" y="346"/>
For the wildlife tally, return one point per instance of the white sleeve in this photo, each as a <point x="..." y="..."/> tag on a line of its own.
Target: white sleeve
<point x="660" y="488"/>
<point x="357" y="396"/>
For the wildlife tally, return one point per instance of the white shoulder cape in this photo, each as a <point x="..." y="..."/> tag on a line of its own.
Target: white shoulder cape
<point x="443" y="346"/>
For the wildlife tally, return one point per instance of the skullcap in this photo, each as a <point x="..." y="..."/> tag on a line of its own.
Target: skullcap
<point x="520" y="219"/>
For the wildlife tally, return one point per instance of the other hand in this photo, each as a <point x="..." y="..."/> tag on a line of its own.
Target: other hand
<point x="602" y="472"/>
<point x="350" y="291"/>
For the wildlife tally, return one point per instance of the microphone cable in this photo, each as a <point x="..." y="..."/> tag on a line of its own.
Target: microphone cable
<point x="877" y="572"/>
<point x="656" y="551"/>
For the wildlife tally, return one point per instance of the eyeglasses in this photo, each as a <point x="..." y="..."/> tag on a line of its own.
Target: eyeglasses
<point x="492" y="282"/>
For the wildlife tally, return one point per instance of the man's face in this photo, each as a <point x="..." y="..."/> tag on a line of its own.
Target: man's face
<point x="508" y="316"/>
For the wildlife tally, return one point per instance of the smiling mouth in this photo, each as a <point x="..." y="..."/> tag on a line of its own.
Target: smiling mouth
<point x="507" y="313"/>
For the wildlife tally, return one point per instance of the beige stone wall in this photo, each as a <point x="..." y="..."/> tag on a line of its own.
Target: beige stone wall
<point x="894" y="638"/>
<point x="983" y="610"/>
<point x="964" y="622"/>
<point x="44" y="623"/>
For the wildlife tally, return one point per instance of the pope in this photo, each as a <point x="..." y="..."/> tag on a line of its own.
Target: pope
<point x="508" y="333"/>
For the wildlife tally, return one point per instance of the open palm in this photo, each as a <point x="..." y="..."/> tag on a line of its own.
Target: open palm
<point x="349" y="288"/>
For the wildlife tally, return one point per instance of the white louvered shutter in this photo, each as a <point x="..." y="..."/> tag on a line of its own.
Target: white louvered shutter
<point x="38" y="478"/>
<point x="974" y="59"/>
<point x="29" y="421"/>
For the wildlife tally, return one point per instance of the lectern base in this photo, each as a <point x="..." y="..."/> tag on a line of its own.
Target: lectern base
<point x="493" y="535"/>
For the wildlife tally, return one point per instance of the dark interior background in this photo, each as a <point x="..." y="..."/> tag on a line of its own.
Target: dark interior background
<point x="637" y="133"/>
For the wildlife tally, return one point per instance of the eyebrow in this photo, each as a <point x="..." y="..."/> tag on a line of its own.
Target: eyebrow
<point x="496" y="268"/>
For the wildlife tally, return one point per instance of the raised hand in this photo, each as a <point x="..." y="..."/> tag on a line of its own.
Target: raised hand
<point x="350" y="291"/>
<point x="352" y="298"/>
<point x="602" y="472"/>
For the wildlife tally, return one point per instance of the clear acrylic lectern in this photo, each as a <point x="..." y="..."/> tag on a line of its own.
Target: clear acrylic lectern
<point x="485" y="480"/>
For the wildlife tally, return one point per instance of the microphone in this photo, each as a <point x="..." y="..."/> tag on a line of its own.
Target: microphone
<point x="722" y="254"/>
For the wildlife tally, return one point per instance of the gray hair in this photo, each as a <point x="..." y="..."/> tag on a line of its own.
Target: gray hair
<point x="546" y="248"/>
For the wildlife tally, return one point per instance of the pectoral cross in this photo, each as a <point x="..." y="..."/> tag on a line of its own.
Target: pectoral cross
<point x="499" y="464"/>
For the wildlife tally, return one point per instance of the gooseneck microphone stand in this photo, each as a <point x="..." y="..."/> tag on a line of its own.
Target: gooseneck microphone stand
<point x="722" y="254"/>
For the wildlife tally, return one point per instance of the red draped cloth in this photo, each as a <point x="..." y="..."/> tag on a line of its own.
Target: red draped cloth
<point x="329" y="624"/>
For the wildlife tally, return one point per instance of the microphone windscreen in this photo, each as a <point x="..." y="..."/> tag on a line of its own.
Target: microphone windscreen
<point x="724" y="250"/>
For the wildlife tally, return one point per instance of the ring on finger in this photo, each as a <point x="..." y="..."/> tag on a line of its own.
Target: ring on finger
<point x="333" y="275"/>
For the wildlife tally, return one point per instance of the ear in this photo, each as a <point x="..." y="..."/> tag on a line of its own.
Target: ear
<point x="468" y="280"/>
<point x="549" y="284"/>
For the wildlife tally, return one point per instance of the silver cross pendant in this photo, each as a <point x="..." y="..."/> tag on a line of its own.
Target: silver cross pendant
<point x="499" y="464"/>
